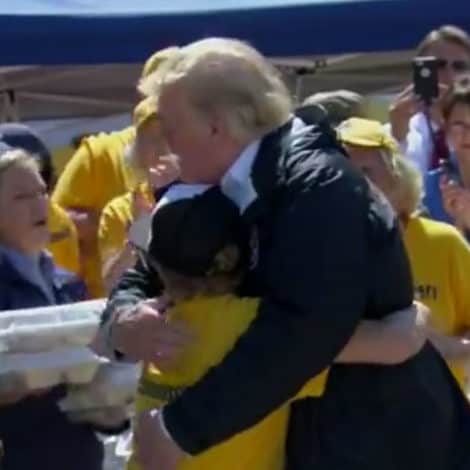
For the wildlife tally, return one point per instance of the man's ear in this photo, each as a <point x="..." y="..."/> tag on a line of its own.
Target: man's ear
<point x="226" y="260"/>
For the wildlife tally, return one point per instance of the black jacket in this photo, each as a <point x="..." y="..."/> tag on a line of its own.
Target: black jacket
<point x="326" y="253"/>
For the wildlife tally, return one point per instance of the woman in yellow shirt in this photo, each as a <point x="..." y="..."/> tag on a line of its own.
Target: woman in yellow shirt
<point x="96" y="174"/>
<point x="439" y="255"/>
<point x="154" y="170"/>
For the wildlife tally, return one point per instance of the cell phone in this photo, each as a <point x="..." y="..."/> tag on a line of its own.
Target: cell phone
<point x="426" y="78"/>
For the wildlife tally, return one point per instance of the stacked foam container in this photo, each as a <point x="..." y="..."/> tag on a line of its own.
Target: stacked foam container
<point x="44" y="347"/>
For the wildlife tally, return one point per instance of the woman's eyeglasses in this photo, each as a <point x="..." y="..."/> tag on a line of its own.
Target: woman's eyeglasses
<point x="456" y="65"/>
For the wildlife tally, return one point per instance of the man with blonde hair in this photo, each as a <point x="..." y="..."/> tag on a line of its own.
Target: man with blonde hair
<point x="326" y="252"/>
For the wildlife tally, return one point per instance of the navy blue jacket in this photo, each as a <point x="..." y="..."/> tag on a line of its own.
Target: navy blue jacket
<point x="326" y="253"/>
<point x="34" y="432"/>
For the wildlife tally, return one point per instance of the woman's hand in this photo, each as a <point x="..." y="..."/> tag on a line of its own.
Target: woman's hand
<point x="165" y="172"/>
<point x="402" y="108"/>
<point x="407" y="104"/>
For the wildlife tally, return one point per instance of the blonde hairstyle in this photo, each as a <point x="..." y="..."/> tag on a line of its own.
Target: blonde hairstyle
<point x="229" y="77"/>
<point x="17" y="158"/>
<point x="408" y="186"/>
<point x="447" y="33"/>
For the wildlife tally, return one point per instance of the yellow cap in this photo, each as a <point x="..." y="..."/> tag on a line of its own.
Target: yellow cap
<point x="157" y="59"/>
<point x="144" y="111"/>
<point x="366" y="133"/>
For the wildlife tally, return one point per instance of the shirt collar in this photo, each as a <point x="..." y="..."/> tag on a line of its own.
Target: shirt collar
<point x="241" y="168"/>
<point x="236" y="184"/>
<point x="31" y="268"/>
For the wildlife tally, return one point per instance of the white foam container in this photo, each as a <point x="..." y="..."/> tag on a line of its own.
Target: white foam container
<point x="46" y="369"/>
<point x="48" y="328"/>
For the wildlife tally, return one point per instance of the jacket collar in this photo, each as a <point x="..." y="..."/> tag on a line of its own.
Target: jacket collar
<point x="276" y="151"/>
<point x="14" y="264"/>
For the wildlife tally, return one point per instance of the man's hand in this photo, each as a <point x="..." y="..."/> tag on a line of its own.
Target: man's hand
<point x="142" y="333"/>
<point x="155" y="448"/>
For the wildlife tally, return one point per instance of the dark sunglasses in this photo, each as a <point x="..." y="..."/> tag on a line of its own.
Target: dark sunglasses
<point x="456" y="65"/>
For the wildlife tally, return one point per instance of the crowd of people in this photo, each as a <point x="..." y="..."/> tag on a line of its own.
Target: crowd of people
<point x="293" y="279"/>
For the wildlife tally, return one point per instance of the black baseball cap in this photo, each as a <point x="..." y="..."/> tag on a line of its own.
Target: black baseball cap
<point x="188" y="233"/>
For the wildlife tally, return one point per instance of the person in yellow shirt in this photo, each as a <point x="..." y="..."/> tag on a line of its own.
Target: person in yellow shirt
<point x="439" y="255"/>
<point x="200" y="248"/>
<point x="155" y="169"/>
<point x="63" y="245"/>
<point x="96" y="174"/>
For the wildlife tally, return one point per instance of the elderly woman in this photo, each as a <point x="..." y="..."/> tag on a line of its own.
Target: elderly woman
<point x="35" y="434"/>
<point x="439" y="255"/>
<point x="63" y="243"/>
<point x="95" y="175"/>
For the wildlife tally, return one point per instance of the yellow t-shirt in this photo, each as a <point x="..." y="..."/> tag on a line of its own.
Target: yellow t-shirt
<point x="114" y="223"/>
<point x="95" y="175"/>
<point x="440" y="262"/>
<point x="64" y="239"/>
<point x="218" y="322"/>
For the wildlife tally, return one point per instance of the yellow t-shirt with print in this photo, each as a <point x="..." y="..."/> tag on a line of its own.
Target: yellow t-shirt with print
<point x="95" y="175"/>
<point x="440" y="262"/>
<point x="63" y="245"/>
<point x="115" y="221"/>
<point x="217" y="323"/>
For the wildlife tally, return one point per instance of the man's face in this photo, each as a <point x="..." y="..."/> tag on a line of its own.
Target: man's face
<point x="370" y="161"/>
<point x="191" y="136"/>
<point x="454" y="60"/>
